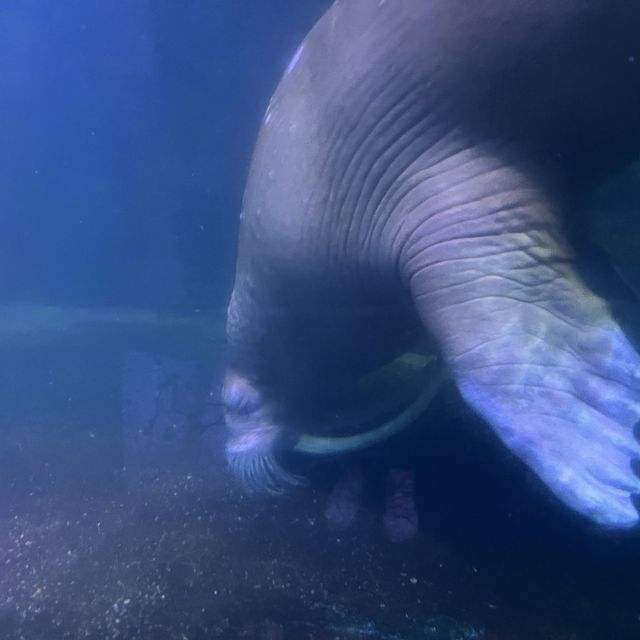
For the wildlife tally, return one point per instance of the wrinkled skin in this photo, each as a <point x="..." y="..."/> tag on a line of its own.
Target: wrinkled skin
<point x="417" y="165"/>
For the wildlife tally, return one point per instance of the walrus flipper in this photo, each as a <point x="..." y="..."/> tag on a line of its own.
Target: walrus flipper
<point x="532" y="349"/>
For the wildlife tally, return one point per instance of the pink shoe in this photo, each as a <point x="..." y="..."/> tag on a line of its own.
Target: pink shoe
<point x="343" y="502"/>
<point x="400" y="520"/>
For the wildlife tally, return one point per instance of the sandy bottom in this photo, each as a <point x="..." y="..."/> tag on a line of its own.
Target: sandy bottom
<point x="91" y="550"/>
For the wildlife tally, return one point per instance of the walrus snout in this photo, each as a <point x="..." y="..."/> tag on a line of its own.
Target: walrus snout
<point x="254" y="437"/>
<point x="248" y="419"/>
<point x="239" y="395"/>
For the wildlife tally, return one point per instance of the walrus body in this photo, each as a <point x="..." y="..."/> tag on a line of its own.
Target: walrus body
<point x="413" y="175"/>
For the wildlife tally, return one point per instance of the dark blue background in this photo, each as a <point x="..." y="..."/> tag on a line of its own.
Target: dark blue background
<point x="126" y="128"/>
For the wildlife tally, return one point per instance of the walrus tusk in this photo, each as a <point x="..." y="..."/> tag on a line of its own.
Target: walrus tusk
<point x="325" y="446"/>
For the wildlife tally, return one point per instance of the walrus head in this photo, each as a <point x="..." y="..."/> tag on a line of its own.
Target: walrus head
<point x="260" y="431"/>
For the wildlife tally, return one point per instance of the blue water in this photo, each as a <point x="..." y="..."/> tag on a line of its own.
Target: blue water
<point x="124" y="125"/>
<point x="126" y="130"/>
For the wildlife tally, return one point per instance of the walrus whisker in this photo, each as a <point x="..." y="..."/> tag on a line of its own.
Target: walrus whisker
<point x="261" y="473"/>
<point x="281" y="479"/>
<point x="265" y="473"/>
<point x="257" y="481"/>
<point x="271" y="481"/>
<point x="258" y="477"/>
<point x="252" y="473"/>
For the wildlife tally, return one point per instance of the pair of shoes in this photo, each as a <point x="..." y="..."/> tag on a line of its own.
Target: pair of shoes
<point x="400" y="519"/>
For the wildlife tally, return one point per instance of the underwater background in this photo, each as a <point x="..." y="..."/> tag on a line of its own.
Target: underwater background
<point x="126" y="130"/>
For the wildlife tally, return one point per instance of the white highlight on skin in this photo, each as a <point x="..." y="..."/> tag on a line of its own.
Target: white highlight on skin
<point x="296" y="58"/>
<point x="268" y="113"/>
<point x="292" y="65"/>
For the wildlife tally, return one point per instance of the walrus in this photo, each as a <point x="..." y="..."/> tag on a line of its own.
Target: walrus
<point x="416" y="175"/>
